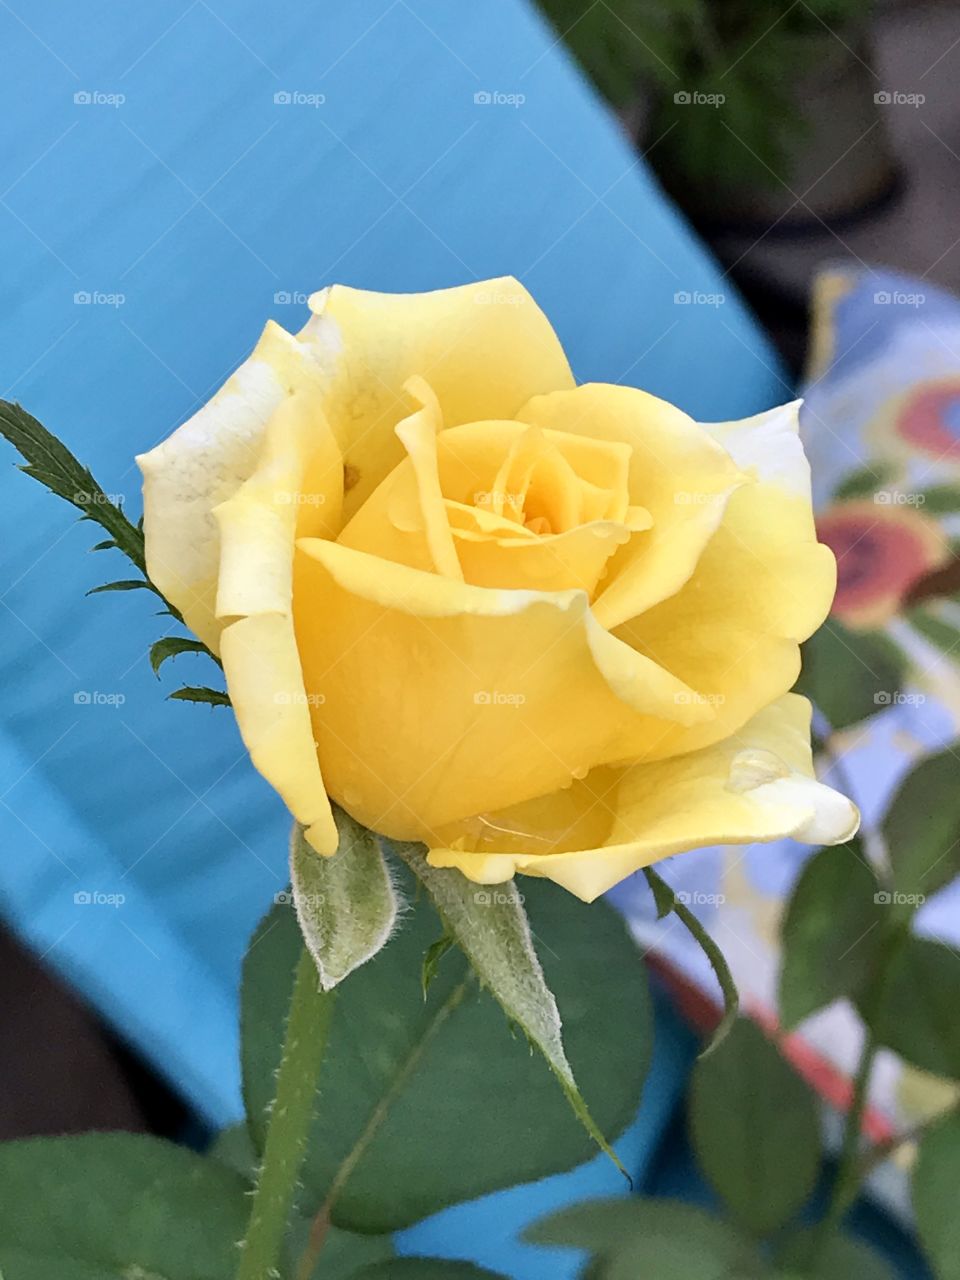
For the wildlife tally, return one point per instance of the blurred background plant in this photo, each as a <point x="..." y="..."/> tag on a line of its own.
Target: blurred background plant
<point x="684" y="53"/>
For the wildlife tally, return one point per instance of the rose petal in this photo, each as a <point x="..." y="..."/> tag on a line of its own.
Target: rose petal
<point x="757" y="786"/>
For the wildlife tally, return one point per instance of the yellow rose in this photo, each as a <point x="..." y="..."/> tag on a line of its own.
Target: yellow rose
<point x="540" y="627"/>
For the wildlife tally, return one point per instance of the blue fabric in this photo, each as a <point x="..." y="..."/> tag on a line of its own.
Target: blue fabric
<point x="172" y="178"/>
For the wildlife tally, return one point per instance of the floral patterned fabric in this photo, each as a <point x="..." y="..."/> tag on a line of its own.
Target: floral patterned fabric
<point x="881" y="424"/>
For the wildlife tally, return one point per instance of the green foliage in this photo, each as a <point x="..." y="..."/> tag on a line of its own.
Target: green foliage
<point x="850" y="675"/>
<point x="48" y="460"/>
<point x="806" y="1257"/>
<point x="916" y="1007"/>
<point x="833" y="933"/>
<point x="172" y="647"/>
<point x="751" y="55"/>
<point x="630" y="1238"/>
<point x="667" y="901"/>
<point x="117" y="1205"/>
<point x="756" y="1130"/>
<point x="424" y="1269"/>
<point x="200" y="693"/>
<point x="935" y="1182"/>
<point x="443" y="1077"/>
<point x="492" y="930"/>
<point x="346" y="904"/>
<point x="922" y="828"/>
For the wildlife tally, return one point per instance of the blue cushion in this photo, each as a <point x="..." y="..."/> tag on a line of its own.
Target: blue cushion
<point x="179" y="173"/>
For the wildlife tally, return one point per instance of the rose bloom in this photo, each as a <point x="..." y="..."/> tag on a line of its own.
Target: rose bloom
<point x="540" y="627"/>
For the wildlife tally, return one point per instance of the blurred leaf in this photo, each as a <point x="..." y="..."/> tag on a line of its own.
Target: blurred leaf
<point x="916" y="1008"/>
<point x="832" y="933"/>
<point x="936" y="1178"/>
<point x="756" y="1130"/>
<point x="232" y="1147"/>
<point x="922" y="827"/>
<point x="838" y="1258"/>
<point x="396" y="1063"/>
<point x="128" y="1204"/>
<point x="346" y="904"/>
<point x="850" y="675"/>
<point x="632" y="1238"/>
<point x="933" y="628"/>
<point x="491" y="928"/>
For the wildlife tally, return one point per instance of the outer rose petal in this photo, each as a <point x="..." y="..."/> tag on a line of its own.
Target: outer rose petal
<point x="763" y="584"/>
<point x="203" y="463"/>
<point x="677" y="472"/>
<point x="494" y="696"/>
<point x="484" y="348"/>
<point x="297" y="489"/>
<point x="754" y="787"/>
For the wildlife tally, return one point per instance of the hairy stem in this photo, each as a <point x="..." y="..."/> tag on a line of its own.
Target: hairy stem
<point x="304" y="1043"/>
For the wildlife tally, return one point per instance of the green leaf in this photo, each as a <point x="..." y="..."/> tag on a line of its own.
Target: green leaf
<point x="916" y="1008"/>
<point x="425" y="1269"/>
<point x="490" y="926"/>
<point x="833" y="934"/>
<point x="49" y="460"/>
<point x="936" y="1178"/>
<point x="346" y="904"/>
<point x="431" y="960"/>
<point x="756" y="1130"/>
<point x="922" y="829"/>
<point x="944" y="635"/>
<point x="198" y="693"/>
<point x="396" y="1063"/>
<point x="630" y="1238"/>
<point x="233" y="1148"/>
<point x="128" y="584"/>
<point x="850" y="675"/>
<point x="806" y="1257"/>
<point x="171" y="647"/>
<point x="728" y="988"/>
<point x="119" y="1202"/>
